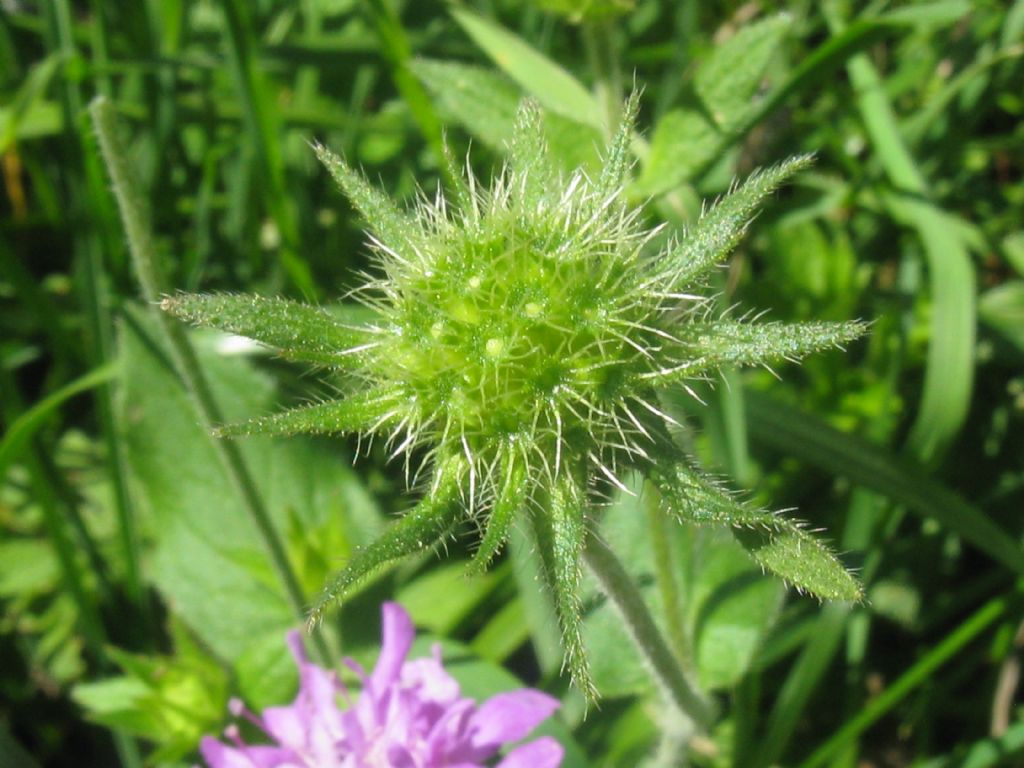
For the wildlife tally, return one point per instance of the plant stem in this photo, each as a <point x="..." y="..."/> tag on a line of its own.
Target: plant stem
<point x="621" y="590"/>
<point x="140" y="243"/>
<point x="664" y="573"/>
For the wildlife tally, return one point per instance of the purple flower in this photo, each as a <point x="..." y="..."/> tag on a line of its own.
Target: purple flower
<point x="409" y="714"/>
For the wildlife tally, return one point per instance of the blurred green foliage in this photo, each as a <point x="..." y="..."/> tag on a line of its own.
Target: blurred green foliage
<point x="134" y="593"/>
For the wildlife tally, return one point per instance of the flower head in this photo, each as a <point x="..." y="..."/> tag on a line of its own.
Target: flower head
<point x="409" y="714"/>
<point x="521" y="335"/>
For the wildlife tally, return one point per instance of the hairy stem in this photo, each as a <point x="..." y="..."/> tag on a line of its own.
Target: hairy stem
<point x="621" y="590"/>
<point x="140" y="242"/>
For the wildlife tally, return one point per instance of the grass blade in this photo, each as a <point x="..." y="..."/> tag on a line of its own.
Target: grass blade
<point x="807" y="437"/>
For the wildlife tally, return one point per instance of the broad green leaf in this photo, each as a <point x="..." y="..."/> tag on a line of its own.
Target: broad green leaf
<point x="538" y="75"/>
<point x="1002" y="309"/>
<point x="170" y="700"/>
<point x="688" y="139"/>
<point x="301" y="331"/>
<point x="207" y="560"/>
<point x="483" y="101"/>
<point x="684" y="142"/>
<point x="729" y="78"/>
<point x="30" y="568"/>
<point x="725" y="602"/>
<point x="441" y="598"/>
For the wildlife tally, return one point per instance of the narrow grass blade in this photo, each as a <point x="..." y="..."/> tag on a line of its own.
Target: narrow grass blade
<point x="807" y="437"/>
<point x="425" y="525"/>
<point x="262" y="122"/>
<point x="30" y="421"/>
<point x="917" y="675"/>
<point x="949" y="373"/>
<point x="300" y="331"/>
<point x="538" y="75"/>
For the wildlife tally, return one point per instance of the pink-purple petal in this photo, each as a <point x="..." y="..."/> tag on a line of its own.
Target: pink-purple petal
<point x="398" y="634"/>
<point x="409" y="714"/>
<point x="509" y="717"/>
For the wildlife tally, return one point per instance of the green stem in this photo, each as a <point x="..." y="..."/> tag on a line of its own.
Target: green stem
<point x="621" y="590"/>
<point x="664" y="573"/>
<point x="140" y="243"/>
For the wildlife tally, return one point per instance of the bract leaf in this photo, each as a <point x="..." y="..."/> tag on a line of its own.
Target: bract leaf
<point x="716" y="233"/>
<point x="560" y="530"/>
<point x="729" y="342"/>
<point x="300" y="331"/>
<point x="778" y="544"/>
<point x="425" y="525"/>
<point x="364" y="411"/>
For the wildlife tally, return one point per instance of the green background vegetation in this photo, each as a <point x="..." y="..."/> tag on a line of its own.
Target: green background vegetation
<point x="135" y="593"/>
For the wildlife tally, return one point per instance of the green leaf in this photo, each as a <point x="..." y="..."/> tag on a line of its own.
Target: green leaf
<point x="538" y="75"/>
<point x="684" y="142"/>
<point x="725" y="603"/>
<point x="207" y="559"/>
<point x="776" y="543"/>
<point x="1002" y="309"/>
<point x="729" y="78"/>
<point x="481" y="100"/>
<point x="358" y="412"/>
<point x="444" y="596"/>
<point x="688" y="139"/>
<point x="486" y="102"/>
<point x="300" y="331"/>
<point x="27" y="105"/>
<point x="424" y="526"/>
<point x="559" y="530"/>
<point x="29" y="422"/>
<point x="171" y="700"/>
<point x="30" y="568"/>
<point x="811" y="439"/>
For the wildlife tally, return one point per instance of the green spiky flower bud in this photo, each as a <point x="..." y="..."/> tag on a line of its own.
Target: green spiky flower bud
<point x="521" y="335"/>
